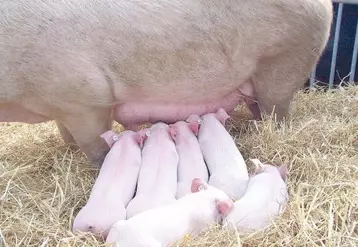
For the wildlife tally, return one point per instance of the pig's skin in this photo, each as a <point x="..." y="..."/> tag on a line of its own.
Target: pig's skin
<point x="74" y="60"/>
<point x="191" y="162"/>
<point x="115" y="184"/>
<point x="157" y="181"/>
<point x="226" y="165"/>
<point x="167" y="224"/>
<point x="266" y="198"/>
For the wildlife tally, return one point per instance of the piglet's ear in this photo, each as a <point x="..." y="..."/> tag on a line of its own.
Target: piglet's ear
<point x="258" y="165"/>
<point x="173" y="132"/>
<point x="224" y="206"/>
<point x="283" y="171"/>
<point x="194" y="127"/>
<point x="222" y="116"/>
<point x="110" y="137"/>
<point x="198" y="184"/>
<point x="140" y="137"/>
<point x="191" y="118"/>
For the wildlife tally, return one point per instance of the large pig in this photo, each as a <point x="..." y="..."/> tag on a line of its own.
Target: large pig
<point x="74" y="61"/>
<point x="266" y="198"/>
<point x="157" y="181"/>
<point x="162" y="226"/>
<point x="191" y="163"/>
<point x="115" y="184"/>
<point x="226" y="165"/>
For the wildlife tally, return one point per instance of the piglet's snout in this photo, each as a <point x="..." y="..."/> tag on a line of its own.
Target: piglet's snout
<point x="90" y="227"/>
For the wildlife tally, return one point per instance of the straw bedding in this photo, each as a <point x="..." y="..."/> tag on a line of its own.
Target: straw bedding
<point x="43" y="184"/>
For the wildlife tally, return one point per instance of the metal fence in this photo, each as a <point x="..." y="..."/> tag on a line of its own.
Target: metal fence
<point x="336" y="38"/>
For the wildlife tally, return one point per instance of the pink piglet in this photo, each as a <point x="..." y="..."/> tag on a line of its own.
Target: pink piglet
<point x="227" y="167"/>
<point x="266" y="198"/>
<point x="115" y="184"/>
<point x="191" y="161"/>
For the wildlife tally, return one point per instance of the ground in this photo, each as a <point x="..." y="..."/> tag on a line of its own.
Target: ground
<point x="43" y="184"/>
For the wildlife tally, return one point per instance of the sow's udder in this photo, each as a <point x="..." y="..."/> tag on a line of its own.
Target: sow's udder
<point x="133" y="114"/>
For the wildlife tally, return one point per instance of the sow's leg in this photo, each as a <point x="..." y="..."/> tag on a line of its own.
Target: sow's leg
<point x="86" y="128"/>
<point x="66" y="135"/>
<point x="279" y="76"/>
<point x="276" y="81"/>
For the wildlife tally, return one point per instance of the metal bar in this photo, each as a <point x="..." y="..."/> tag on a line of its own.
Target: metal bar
<point x="346" y="1"/>
<point x="354" y="56"/>
<point x="335" y="45"/>
<point x="313" y="76"/>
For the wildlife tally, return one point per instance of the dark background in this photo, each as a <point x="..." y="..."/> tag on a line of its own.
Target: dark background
<point x="345" y="48"/>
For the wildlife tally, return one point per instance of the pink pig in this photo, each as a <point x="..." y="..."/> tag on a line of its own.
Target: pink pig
<point x="115" y="184"/>
<point x="265" y="198"/>
<point x="157" y="182"/>
<point x="226" y="165"/>
<point x="191" y="162"/>
<point x="167" y="224"/>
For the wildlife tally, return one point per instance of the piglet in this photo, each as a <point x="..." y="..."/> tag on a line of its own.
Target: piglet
<point x="167" y="224"/>
<point x="226" y="165"/>
<point x="115" y="184"/>
<point x="265" y="198"/>
<point x="191" y="162"/>
<point x="157" y="182"/>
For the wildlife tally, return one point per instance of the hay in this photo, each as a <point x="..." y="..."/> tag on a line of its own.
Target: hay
<point x="43" y="184"/>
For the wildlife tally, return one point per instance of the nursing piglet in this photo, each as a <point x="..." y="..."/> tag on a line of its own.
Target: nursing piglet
<point x="191" y="162"/>
<point x="157" y="181"/>
<point x="265" y="198"/>
<point x="115" y="184"/>
<point x="226" y="165"/>
<point x="165" y="225"/>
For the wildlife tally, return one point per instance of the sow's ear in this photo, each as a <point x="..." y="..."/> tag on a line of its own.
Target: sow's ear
<point x="224" y="206"/>
<point x="198" y="184"/>
<point x="283" y="171"/>
<point x="110" y="137"/>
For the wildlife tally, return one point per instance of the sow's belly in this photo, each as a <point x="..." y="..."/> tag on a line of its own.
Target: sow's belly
<point x="199" y="83"/>
<point x="174" y="106"/>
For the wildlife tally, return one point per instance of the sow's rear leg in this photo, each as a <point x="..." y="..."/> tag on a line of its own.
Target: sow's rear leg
<point x="86" y="128"/>
<point x="66" y="135"/>
<point x="276" y="81"/>
<point x="279" y="77"/>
